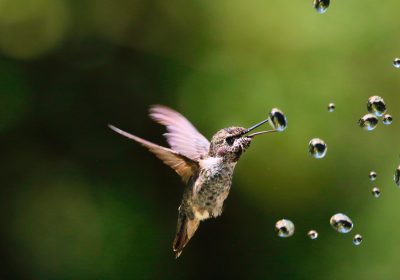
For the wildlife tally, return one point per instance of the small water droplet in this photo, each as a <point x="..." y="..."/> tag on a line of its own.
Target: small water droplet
<point x="312" y="234"/>
<point x="387" y="119"/>
<point x="341" y="223"/>
<point x="376" y="192"/>
<point x="368" y="122"/>
<point x="284" y="228"/>
<point x="357" y="239"/>
<point x="317" y="148"/>
<point x="331" y="107"/>
<point x="396" y="176"/>
<point x="372" y="175"/>
<point x="278" y="119"/>
<point x="376" y="105"/>
<point x="321" y="5"/>
<point x="396" y="62"/>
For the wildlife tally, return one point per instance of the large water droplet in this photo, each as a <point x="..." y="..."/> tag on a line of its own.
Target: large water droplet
<point x="387" y="119"/>
<point x="396" y="62"/>
<point x="396" y="176"/>
<point x="331" y="107"/>
<point x="284" y="228"/>
<point x="357" y="239"/>
<point x="376" y="192"/>
<point x="368" y="122"/>
<point x="376" y="105"/>
<point x="317" y="148"/>
<point x="341" y="223"/>
<point x="321" y="5"/>
<point x="372" y="175"/>
<point x="278" y="119"/>
<point x="312" y="234"/>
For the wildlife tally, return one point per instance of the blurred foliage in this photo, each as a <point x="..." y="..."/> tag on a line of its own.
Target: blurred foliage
<point x="79" y="202"/>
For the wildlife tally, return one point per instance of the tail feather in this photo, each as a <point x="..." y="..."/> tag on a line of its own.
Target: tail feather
<point x="185" y="231"/>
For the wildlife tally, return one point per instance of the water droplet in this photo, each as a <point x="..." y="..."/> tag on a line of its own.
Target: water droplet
<point x="396" y="62"/>
<point x="368" y="122"/>
<point x="312" y="234"/>
<point x="387" y="119"/>
<point x="284" y="228"/>
<point x="278" y="119"/>
<point x="341" y="223"/>
<point x="331" y="107"/>
<point x="396" y="176"/>
<point x="317" y="148"/>
<point x="357" y="239"/>
<point x="321" y="5"/>
<point x="372" y="175"/>
<point x="376" y="192"/>
<point x="376" y="105"/>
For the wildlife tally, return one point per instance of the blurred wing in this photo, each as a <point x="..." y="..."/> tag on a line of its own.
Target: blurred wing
<point x="182" y="165"/>
<point x="181" y="135"/>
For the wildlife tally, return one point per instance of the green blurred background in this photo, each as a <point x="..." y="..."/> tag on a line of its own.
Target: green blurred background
<point x="80" y="202"/>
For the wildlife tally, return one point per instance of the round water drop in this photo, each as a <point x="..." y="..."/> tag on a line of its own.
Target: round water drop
<point x="357" y="239"/>
<point x="317" y="148"/>
<point x="376" y="105"/>
<point x="368" y="122"/>
<point x="396" y="176"/>
<point x="312" y="234"/>
<point x="331" y="107"/>
<point x="321" y="5"/>
<point x="341" y="223"/>
<point x="376" y="192"/>
<point x="372" y="175"/>
<point x="387" y="119"/>
<point x="396" y="62"/>
<point x="284" y="228"/>
<point x="278" y="119"/>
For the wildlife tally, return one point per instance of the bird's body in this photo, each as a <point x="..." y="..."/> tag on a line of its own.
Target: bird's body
<point x="205" y="167"/>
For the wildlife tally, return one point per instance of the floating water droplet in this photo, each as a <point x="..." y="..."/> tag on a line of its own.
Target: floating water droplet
<point x="368" y="122"/>
<point x="376" y="192"/>
<point x="387" y="119"/>
<point x="317" y="148"/>
<point x="331" y="107"/>
<point x="284" y="228"/>
<point x="278" y="119"/>
<point x="321" y="5"/>
<point x="341" y="223"/>
<point x="376" y="105"/>
<point x="357" y="239"/>
<point x="396" y="62"/>
<point x="396" y="176"/>
<point x="372" y="175"/>
<point x="312" y="234"/>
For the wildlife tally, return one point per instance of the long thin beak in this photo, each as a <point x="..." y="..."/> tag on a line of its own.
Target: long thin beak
<point x="254" y="126"/>
<point x="261" y="132"/>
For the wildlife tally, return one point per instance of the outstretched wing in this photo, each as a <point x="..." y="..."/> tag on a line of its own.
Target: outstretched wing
<point x="182" y="165"/>
<point x="181" y="135"/>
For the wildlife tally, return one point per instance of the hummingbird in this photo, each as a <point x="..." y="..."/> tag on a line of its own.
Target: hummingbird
<point x="206" y="168"/>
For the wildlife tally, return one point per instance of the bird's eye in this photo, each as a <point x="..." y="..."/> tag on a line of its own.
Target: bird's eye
<point x="229" y="140"/>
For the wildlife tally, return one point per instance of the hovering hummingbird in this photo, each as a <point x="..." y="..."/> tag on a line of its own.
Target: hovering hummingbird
<point x="205" y="167"/>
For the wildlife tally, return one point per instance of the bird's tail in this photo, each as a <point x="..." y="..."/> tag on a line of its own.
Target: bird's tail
<point x="185" y="230"/>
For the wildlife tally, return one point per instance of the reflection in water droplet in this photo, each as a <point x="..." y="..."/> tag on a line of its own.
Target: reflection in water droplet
<point x="376" y="105"/>
<point x="278" y="119"/>
<point x="376" y="192"/>
<point x="372" y="175"/>
<point x="341" y="223"/>
<point x="368" y="122"/>
<point x="331" y="107"/>
<point x="396" y="176"/>
<point x="321" y="5"/>
<point x="312" y="234"/>
<point x="396" y="62"/>
<point x="317" y="148"/>
<point x="357" y="239"/>
<point x="284" y="228"/>
<point x="387" y="119"/>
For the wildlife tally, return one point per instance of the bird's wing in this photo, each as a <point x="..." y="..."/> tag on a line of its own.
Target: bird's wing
<point x="182" y="165"/>
<point x="181" y="135"/>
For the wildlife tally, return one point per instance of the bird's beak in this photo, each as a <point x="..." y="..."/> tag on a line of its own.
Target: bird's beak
<point x="254" y="127"/>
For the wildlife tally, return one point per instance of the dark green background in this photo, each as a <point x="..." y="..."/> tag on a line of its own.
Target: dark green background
<point x="78" y="201"/>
